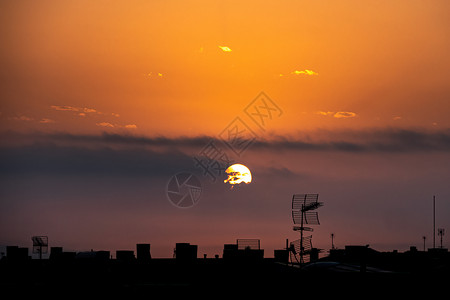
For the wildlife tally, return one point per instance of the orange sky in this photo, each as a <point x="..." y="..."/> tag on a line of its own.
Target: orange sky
<point x="359" y="92"/>
<point x="155" y="67"/>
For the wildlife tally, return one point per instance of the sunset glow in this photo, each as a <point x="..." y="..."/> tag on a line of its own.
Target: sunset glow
<point x="104" y="101"/>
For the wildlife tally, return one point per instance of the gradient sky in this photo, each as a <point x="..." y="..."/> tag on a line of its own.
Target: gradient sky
<point x="102" y="102"/>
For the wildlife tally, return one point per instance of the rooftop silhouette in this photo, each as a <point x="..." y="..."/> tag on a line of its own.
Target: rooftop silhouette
<point x="241" y="265"/>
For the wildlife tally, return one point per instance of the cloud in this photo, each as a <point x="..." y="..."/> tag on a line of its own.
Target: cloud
<point x="225" y="48"/>
<point x="81" y="111"/>
<point x="46" y="121"/>
<point x="89" y="110"/>
<point x="29" y="119"/>
<point x="344" y="114"/>
<point x="50" y="159"/>
<point x="64" y="108"/>
<point x="105" y="124"/>
<point x="22" y="118"/>
<point x="325" y="113"/>
<point x="110" y="125"/>
<point x="73" y="108"/>
<point x="155" y="74"/>
<point x="305" y="72"/>
<point x="363" y="141"/>
<point x="337" y="115"/>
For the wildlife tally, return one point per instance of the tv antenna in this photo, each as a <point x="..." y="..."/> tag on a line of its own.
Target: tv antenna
<point x="441" y="232"/>
<point x="434" y="221"/>
<point x="332" y="241"/>
<point x="40" y="245"/>
<point x="303" y="212"/>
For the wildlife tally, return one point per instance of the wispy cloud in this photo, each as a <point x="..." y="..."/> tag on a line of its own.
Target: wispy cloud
<point x="89" y="110"/>
<point x="110" y="125"/>
<point x="154" y="74"/>
<point x="46" y="121"/>
<point x="64" y="108"/>
<point x="22" y="118"/>
<point x="337" y="115"/>
<point x="355" y="141"/>
<point x="225" y="48"/>
<point x="59" y="160"/>
<point x="81" y="111"/>
<point x="325" y="113"/>
<point x="344" y="114"/>
<point x="105" y="124"/>
<point x="305" y="72"/>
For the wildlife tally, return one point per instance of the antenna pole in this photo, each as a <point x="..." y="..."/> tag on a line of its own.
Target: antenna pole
<point x="332" y="241"/>
<point x="434" y="221"/>
<point x="301" y="237"/>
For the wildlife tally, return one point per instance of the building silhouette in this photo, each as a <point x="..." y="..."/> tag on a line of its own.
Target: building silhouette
<point x="185" y="252"/>
<point x="143" y="252"/>
<point x="125" y="255"/>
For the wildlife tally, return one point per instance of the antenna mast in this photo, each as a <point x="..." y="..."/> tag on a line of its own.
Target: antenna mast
<point x="332" y="241"/>
<point x="434" y="221"/>
<point x="303" y="206"/>
<point x="441" y="232"/>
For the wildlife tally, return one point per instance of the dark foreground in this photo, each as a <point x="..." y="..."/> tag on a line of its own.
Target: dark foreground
<point x="212" y="278"/>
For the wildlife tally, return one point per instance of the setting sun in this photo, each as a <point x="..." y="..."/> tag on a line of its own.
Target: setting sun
<point x="238" y="174"/>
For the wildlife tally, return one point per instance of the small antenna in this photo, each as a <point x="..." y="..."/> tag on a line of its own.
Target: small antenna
<point x="424" y="238"/>
<point x="434" y="221"/>
<point x="441" y="232"/>
<point x="332" y="241"/>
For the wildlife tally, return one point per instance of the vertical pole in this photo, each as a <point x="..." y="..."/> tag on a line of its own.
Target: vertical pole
<point x="301" y="238"/>
<point x="434" y="221"/>
<point x="424" y="238"/>
<point x="332" y="241"/>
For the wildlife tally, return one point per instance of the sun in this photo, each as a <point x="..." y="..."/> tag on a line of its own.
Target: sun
<point x="238" y="174"/>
